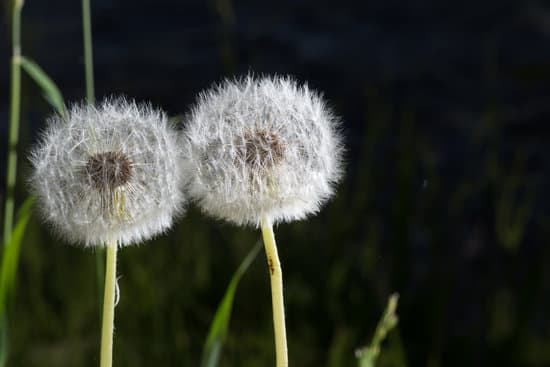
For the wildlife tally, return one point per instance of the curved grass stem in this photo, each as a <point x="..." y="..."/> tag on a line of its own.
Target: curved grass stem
<point x="107" y="327"/>
<point x="276" y="276"/>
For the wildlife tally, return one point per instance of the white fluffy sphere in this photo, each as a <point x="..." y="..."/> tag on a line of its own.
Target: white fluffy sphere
<point x="261" y="148"/>
<point x="108" y="173"/>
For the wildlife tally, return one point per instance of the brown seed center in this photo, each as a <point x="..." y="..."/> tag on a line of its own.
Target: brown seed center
<point x="261" y="148"/>
<point x="108" y="170"/>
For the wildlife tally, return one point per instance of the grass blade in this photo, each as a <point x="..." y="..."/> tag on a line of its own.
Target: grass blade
<point x="220" y="323"/>
<point x="8" y="271"/>
<point x="49" y="89"/>
<point x="10" y="256"/>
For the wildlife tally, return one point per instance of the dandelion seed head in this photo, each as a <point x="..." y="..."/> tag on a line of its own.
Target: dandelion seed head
<point x="261" y="147"/>
<point x="108" y="173"/>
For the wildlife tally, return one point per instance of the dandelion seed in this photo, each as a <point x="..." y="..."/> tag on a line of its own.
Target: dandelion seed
<point x="108" y="173"/>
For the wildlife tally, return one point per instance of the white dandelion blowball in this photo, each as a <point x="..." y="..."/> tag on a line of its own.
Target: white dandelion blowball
<point x="108" y="173"/>
<point x="261" y="148"/>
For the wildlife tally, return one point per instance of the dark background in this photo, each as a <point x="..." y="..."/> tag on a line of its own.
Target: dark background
<point x="445" y="108"/>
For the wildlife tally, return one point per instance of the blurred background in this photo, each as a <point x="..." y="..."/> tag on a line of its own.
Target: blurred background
<point x="445" y="108"/>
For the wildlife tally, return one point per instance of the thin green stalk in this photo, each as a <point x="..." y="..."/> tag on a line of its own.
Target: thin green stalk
<point x="15" y="110"/>
<point x="90" y="97"/>
<point x="88" y="55"/>
<point x="107" y="328"/>
<point x="277" y="299"/>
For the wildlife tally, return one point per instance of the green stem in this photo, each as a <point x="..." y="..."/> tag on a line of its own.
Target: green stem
<point x="90" y="97"/>
<point x="88" y="56"/>
<point x="15" y="110"/>
<point x="277" y="299"/>
<point x="107" y="328"/>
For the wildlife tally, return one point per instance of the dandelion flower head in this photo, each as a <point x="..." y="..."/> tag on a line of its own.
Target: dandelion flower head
<point x="108" y="173"/>
<point x="261" y="148"/>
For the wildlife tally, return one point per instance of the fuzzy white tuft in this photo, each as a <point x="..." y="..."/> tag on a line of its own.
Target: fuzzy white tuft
<point x="263" y="147"/>
<point x="108" y="173"/>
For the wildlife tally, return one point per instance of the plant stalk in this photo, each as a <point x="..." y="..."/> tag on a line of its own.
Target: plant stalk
<point x="107" y="328"/>
<point x="88" y="54"/>
<point x="15" y="111"/>
<point x="276" y="276"/>
<point x="90" y="98"/>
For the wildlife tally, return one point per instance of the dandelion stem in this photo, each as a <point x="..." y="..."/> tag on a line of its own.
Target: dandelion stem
<point x="108" y="307"/>
<point x="277" y="300"/>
